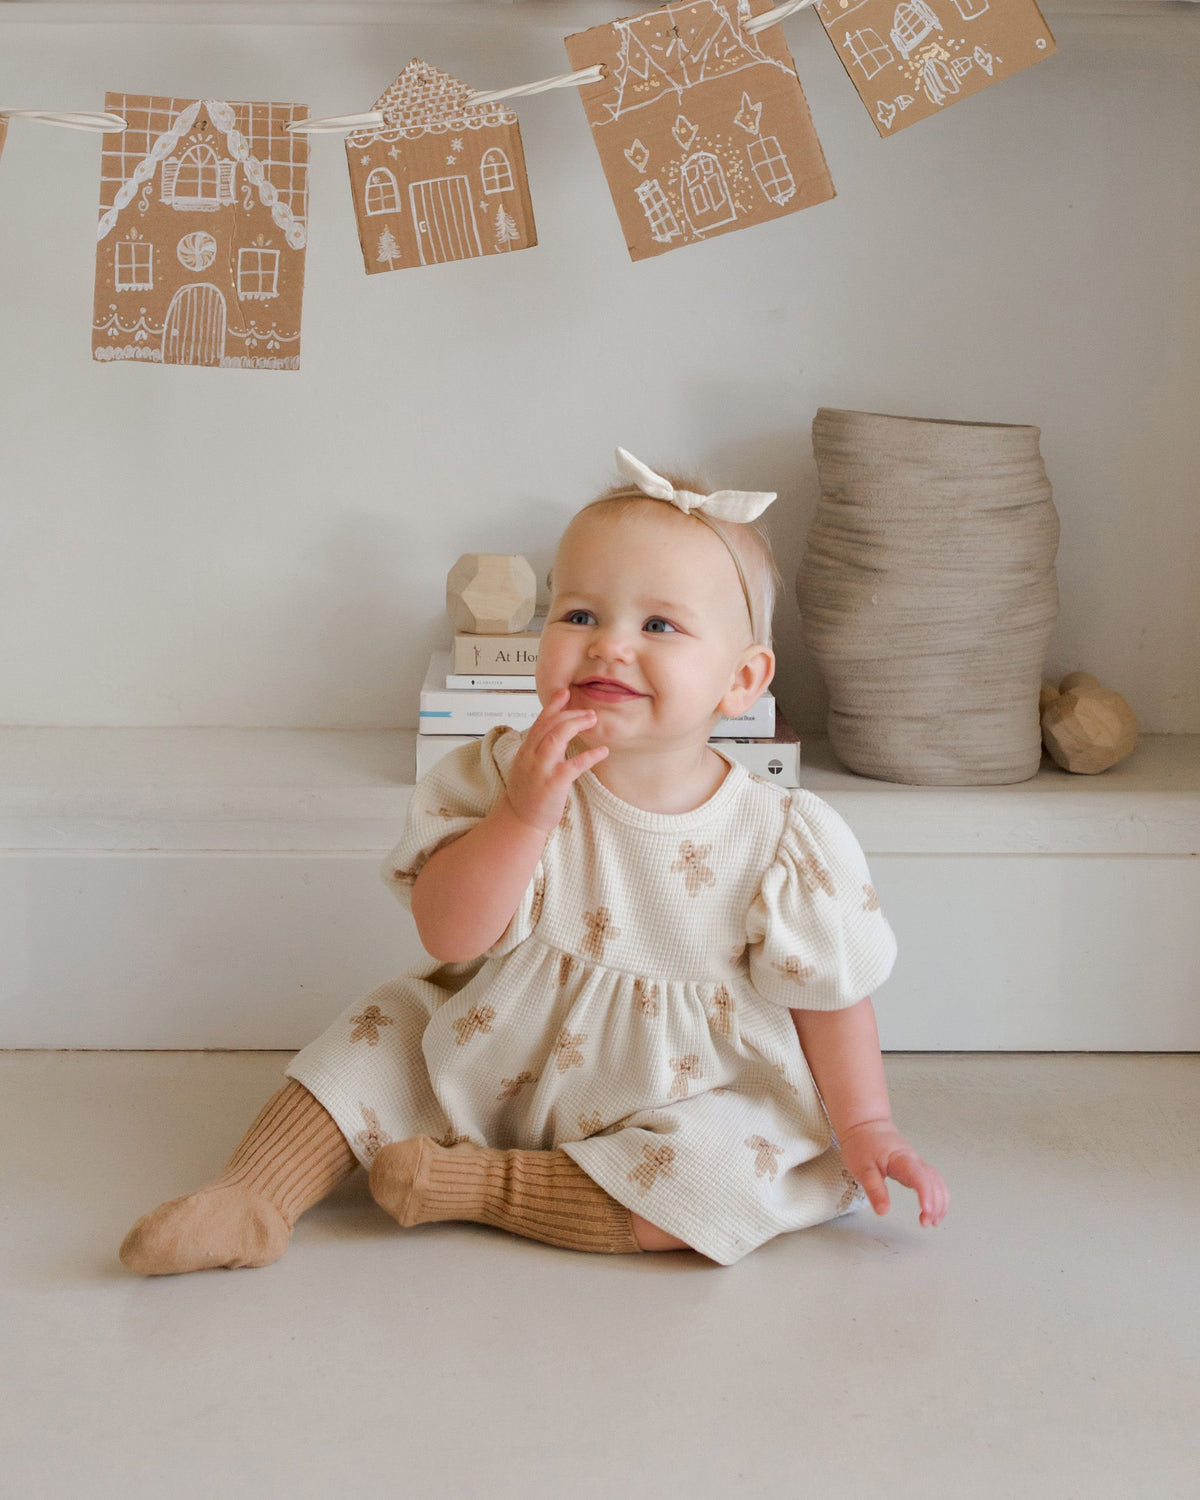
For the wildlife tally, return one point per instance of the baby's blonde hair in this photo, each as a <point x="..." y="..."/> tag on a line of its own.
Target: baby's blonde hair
<point x="747" y="542"/>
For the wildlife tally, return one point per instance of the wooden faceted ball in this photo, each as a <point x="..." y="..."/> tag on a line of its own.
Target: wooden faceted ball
<point x="1086" y="727"/>
<point x="491" y="593"/>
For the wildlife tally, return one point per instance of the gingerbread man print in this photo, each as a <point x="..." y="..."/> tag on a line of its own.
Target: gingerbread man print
<point x="684" y="1068"/>
<point x="600" y="929"/>
<point x="655" y="1160"/>
<point x="478" y="1018"/>
<point x="723" y="1009"/>
<point x="816" y="876"/>
<point x="693" y="865"/>
<point x="793" y="969"/>
<point x="374" y="1137"/>
<point x="766" y="1152"/>
<point x="511" y="1087"/>
<point x="366" y="1025"/>
<point x="646" y="995"/>
<point x="566" y="1050"/>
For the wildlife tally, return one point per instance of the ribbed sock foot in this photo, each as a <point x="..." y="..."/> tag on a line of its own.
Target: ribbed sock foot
<point x="223" y="1224"/>
<point x="289" y="1159"/>
<point x="541" y="1195"/>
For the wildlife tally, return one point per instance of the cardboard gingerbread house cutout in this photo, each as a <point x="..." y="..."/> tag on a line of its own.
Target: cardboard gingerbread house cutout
<point x="909" y="59"/>
<point x="702" y="128"/>
<point x="442" y="179"/>
<point x="203" y="228"/>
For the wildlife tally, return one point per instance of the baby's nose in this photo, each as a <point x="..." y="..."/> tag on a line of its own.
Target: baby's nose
<point x="611" y="642"/>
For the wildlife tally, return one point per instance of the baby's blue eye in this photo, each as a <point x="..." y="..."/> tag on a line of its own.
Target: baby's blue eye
<point x="573" y="618"/>
<point x="658" y="626"/>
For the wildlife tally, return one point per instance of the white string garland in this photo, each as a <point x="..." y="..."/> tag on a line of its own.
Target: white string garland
<point x="109" y="124"/>
<point x="487" y="96"/>
<point x="564" y="80"/>
<point x="773" y="17"/>
<point x="328" y="124"/>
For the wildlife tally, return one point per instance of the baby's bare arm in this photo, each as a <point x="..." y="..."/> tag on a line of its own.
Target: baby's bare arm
<point x="842" y="1049"/>
<point x="467" y="892"/>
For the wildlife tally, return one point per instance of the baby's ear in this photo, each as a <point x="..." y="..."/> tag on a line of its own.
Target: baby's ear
<point x="752" y="675"/>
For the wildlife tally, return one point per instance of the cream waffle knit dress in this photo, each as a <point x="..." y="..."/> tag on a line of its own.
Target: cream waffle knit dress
<point x="635" y="1011"/>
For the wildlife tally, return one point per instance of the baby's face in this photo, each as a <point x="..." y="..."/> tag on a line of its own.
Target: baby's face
<point x="646" y="627"/>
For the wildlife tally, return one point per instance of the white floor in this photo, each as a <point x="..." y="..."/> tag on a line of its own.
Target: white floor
<point x="1045" y="1342"/>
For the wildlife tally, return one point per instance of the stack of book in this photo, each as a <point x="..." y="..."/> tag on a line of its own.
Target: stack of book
<point x="486" y="680"/>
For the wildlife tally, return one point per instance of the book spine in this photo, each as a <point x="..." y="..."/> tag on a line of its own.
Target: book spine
<point x="495" y="655"/>
<point x="468" y="711"/>
<point x="517" y="683"/>
<point x="441" y="713"/>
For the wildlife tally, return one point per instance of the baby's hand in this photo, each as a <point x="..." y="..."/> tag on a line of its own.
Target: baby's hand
<point x="875" y="1150"/>
<point x="541" y="775"/>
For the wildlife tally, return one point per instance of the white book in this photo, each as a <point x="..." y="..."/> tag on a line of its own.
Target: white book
<point x="446" y="710"/>
<point x="776" y="760"/>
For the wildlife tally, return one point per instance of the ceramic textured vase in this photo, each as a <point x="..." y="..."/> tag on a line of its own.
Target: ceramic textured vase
<point x="927" y="595"/>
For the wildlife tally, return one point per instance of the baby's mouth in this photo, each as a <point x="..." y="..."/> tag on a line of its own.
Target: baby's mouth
<point x="605" y="690"/>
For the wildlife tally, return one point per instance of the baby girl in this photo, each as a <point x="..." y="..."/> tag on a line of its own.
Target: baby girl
<point x="647" y="1024"/>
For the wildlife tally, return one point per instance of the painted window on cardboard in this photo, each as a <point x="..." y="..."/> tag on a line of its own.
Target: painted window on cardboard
<point x="134" y="267"/>
<point x="381" y="194"/>
<point x="496" y="171"/>
<point x="258" y="273"/>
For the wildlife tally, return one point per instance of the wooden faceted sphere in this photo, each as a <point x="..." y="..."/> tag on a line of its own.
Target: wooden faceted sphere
<point x="491" y="593"/>
<point x="1086" y="727"/>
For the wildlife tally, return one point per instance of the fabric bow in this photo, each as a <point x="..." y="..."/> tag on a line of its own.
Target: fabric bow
<point x="724" y="505"/>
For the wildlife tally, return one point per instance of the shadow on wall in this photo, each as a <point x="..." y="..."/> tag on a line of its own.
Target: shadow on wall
<point x="781" y="459"/>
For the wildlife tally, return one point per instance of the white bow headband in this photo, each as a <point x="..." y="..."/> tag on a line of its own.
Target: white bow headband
<point x="724" y="505"/>
<point x="721" y="505"/>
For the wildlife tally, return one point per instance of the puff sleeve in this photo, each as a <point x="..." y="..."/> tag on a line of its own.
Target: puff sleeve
<point x="446" y="803"/>
<point x="816" y="938"/>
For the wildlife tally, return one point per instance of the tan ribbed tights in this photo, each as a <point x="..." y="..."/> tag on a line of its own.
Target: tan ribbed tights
<point x="541" y="1195"/>
<point x="289" y="1159"/>
<point x="294" y="1154"/>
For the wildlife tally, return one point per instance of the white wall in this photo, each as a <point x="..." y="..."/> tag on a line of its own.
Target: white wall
<point x="186" y="546"/>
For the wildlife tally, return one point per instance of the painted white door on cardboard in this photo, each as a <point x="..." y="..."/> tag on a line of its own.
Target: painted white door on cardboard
<point x="194" y="333"/>
<point x="706" y="193"/>
<point x="445" y="219"/>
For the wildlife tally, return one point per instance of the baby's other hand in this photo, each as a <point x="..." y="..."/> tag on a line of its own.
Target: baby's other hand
<point x="541" y="775"/>
<point x="875" y="1151"/>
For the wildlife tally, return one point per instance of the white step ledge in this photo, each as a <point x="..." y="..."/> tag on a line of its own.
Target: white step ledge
<point x="346" y="791"/>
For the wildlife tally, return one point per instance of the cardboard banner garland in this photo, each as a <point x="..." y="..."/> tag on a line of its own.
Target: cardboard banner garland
<point x="202" y="234"/>
<point x="695" y="109"/>
<point x="909" y="60"/>
<point x="701" y="128"/>
<point x="441" y="179"/>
